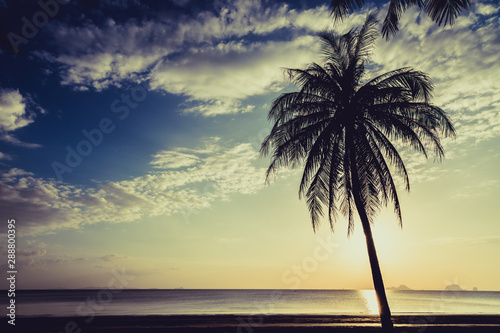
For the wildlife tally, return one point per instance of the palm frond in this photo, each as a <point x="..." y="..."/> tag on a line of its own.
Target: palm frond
<point x="390" y="151"/>
<point x="396" y="7"/>
<point x="335" y="161"/>
<point x="379" y="144"/>
<point x="347" y="201"/>
<point x="366" y="37"/>
<point x="339" y="9"/>
<point x="445" y="12"/>
<point x="316" y="156"/>
<point x="418" y="84"/>
<point x="317" y="195"/>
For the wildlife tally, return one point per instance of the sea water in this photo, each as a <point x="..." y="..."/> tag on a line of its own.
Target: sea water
<point x="191" y="301"/>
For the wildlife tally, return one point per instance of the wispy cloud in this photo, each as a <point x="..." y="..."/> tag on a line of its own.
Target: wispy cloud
<point x="29" y="249"/>
<point x="35" y="254"/>
<point x="482" y="188"/>
<point x="217" y="79"/>
<point x="112" y="257"/>
<point x="45" y="205"/>
<point x="173" y="160"/>
<point x="467" y="240"/>
<point x="5" y="156"/>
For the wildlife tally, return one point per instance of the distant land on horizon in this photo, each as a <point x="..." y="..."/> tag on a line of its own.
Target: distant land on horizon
<point x="401" y="287"/>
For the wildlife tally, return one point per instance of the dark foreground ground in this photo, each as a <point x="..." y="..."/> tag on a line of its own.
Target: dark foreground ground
<point x="254" y="324"/>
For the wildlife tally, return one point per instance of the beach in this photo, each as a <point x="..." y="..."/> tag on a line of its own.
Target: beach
<point x="257" y="323"/>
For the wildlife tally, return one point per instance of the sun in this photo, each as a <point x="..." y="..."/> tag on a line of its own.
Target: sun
<point x="387" y="239"/>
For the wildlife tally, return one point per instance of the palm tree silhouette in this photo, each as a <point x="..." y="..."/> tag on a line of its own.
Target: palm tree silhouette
<point x="342" y="130"/>
<point x="442" y="12"/>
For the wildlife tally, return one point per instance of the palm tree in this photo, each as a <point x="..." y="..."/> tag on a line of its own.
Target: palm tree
<point x="342" y="129"/>
<point x="442" y="12"/>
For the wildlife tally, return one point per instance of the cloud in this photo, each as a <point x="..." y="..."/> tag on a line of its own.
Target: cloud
<point x="45" y="205"/>
<point x="44" y="262"/>
<point x="208" y="59"/>
<point x="28" y="249"/>
<point x="220" y="77"/>
<point x="32" y="249"/>
<point x="112" y="257"/>
<point x="173" y="160"/>
<point x="13" y="173"/>
<point x="485" y="9"/>
<point x="4" y="156"/>
<point x="16" y="112"/>
<point x="29" y="253"/>
<point x="479" y="189"/>
<point x="15" y="141"/>
<point x="13" y="113"/>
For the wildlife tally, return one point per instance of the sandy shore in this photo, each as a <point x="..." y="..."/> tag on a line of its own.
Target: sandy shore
<point x="257" y="323"/>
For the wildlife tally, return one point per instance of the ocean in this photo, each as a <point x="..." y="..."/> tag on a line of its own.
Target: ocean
<point x="61" y="303"/>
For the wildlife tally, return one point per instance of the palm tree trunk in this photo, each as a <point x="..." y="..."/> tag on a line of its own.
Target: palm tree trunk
<point x="378" y="282"/>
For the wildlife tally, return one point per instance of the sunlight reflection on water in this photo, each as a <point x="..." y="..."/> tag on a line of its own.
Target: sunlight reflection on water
<point x="370" y="299"/>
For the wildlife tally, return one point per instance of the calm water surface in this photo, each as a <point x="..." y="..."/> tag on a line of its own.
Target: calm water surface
<point x="190" y="301"/>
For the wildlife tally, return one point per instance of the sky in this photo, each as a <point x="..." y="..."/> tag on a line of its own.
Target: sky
<point x="130" y="135"/>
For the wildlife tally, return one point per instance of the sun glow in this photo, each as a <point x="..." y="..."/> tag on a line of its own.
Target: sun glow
<point x="388" y="243"/>
<point x="370" y="299"/>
